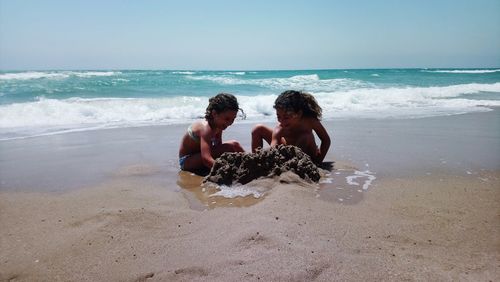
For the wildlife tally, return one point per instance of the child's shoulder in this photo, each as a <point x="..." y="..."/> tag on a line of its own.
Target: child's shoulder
<point x="200" y="126"/>
<point x="199" y="123"/>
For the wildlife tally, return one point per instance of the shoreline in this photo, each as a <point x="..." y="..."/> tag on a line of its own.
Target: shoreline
<point x="468" y="143"/>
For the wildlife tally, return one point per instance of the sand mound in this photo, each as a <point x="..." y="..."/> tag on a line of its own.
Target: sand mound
<point x="244" y="167"/>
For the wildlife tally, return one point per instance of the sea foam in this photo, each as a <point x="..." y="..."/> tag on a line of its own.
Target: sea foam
<point x="53" y="75"/>
<point x="479" y="71"/>
<point x="310" y="82"/>
<point x="366" y="176"/>
<point x="239" y="191"/>
<point x="406" y="102"/>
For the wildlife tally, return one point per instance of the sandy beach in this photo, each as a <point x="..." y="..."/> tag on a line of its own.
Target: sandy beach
<point x="406" y="200"/>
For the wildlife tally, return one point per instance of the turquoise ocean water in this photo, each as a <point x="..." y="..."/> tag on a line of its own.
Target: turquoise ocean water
<point x="34" y="103"/>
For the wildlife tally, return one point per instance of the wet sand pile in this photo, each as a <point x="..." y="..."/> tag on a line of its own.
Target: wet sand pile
<point x="242" y="168"/>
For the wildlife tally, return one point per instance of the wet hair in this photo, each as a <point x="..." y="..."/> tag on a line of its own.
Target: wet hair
<point x="296" y="101"/>
<point x="220" y="103"/>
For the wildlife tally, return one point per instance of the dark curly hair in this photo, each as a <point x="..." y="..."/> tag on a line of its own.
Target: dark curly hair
<point x="220" y="103"/>
<point x="297" y="100"/>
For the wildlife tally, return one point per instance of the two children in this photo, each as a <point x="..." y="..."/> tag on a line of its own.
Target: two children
<point x="298" y="116"/>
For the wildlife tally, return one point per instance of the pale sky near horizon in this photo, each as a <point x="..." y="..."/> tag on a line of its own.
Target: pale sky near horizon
<point x="249" y="35"/>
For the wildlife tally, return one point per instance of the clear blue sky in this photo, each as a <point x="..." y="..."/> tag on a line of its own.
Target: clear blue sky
<point x="242" y="35"/>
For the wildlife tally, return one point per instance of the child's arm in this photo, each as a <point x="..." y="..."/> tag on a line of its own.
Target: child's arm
<point x="276" y="138"/>
<point x="206" y="149"/>
<point x="324" y="137"/>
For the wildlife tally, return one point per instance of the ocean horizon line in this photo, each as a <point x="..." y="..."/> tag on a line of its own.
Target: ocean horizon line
<point x="257" y="70"/>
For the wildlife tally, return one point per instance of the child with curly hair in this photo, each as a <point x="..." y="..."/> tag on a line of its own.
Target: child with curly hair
<point x="298" y="116"/>
<point x="202" y="143"/>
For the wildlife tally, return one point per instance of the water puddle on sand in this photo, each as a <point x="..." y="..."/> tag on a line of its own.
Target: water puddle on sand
<point x="345" y="184"/>
<point x="202" y="196"/>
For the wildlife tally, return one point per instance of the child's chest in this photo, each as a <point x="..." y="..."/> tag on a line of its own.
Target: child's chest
<point x="293" y="134"/>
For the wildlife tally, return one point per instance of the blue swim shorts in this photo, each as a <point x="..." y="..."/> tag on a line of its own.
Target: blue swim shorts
<point x="182" y="160"/>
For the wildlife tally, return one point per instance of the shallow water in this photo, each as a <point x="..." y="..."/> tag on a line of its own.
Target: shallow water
<point x="361" y="149"/>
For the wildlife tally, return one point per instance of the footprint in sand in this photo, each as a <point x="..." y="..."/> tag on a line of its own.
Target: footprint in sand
<point x="145" y="277"/>
<point x="192" y="271"/>
<point x="311" y="273"/>
<point x="253" y="239"/>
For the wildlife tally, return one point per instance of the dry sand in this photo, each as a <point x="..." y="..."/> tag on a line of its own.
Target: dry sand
<point x="440" y="227"/>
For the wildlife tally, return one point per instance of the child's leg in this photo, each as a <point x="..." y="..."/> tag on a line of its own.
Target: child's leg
<point x="193" y="162"/>
<point x="260" y="132"/>
<point x="229" y="146"/>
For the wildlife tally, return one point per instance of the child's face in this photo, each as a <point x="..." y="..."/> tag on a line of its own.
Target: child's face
<point x="287" y="118"/>
<point x="224" y="119"/>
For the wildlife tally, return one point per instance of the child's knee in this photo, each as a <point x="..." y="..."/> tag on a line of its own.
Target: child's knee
<point x="236" y="146"/>
<point x="256" y="129"/>
<point x="261" y="132"/>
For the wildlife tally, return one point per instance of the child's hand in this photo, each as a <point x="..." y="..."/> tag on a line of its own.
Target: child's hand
<point x="317" y="157"/>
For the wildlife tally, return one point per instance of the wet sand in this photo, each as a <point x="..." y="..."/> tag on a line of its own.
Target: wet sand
<point x="112" y="206"/>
